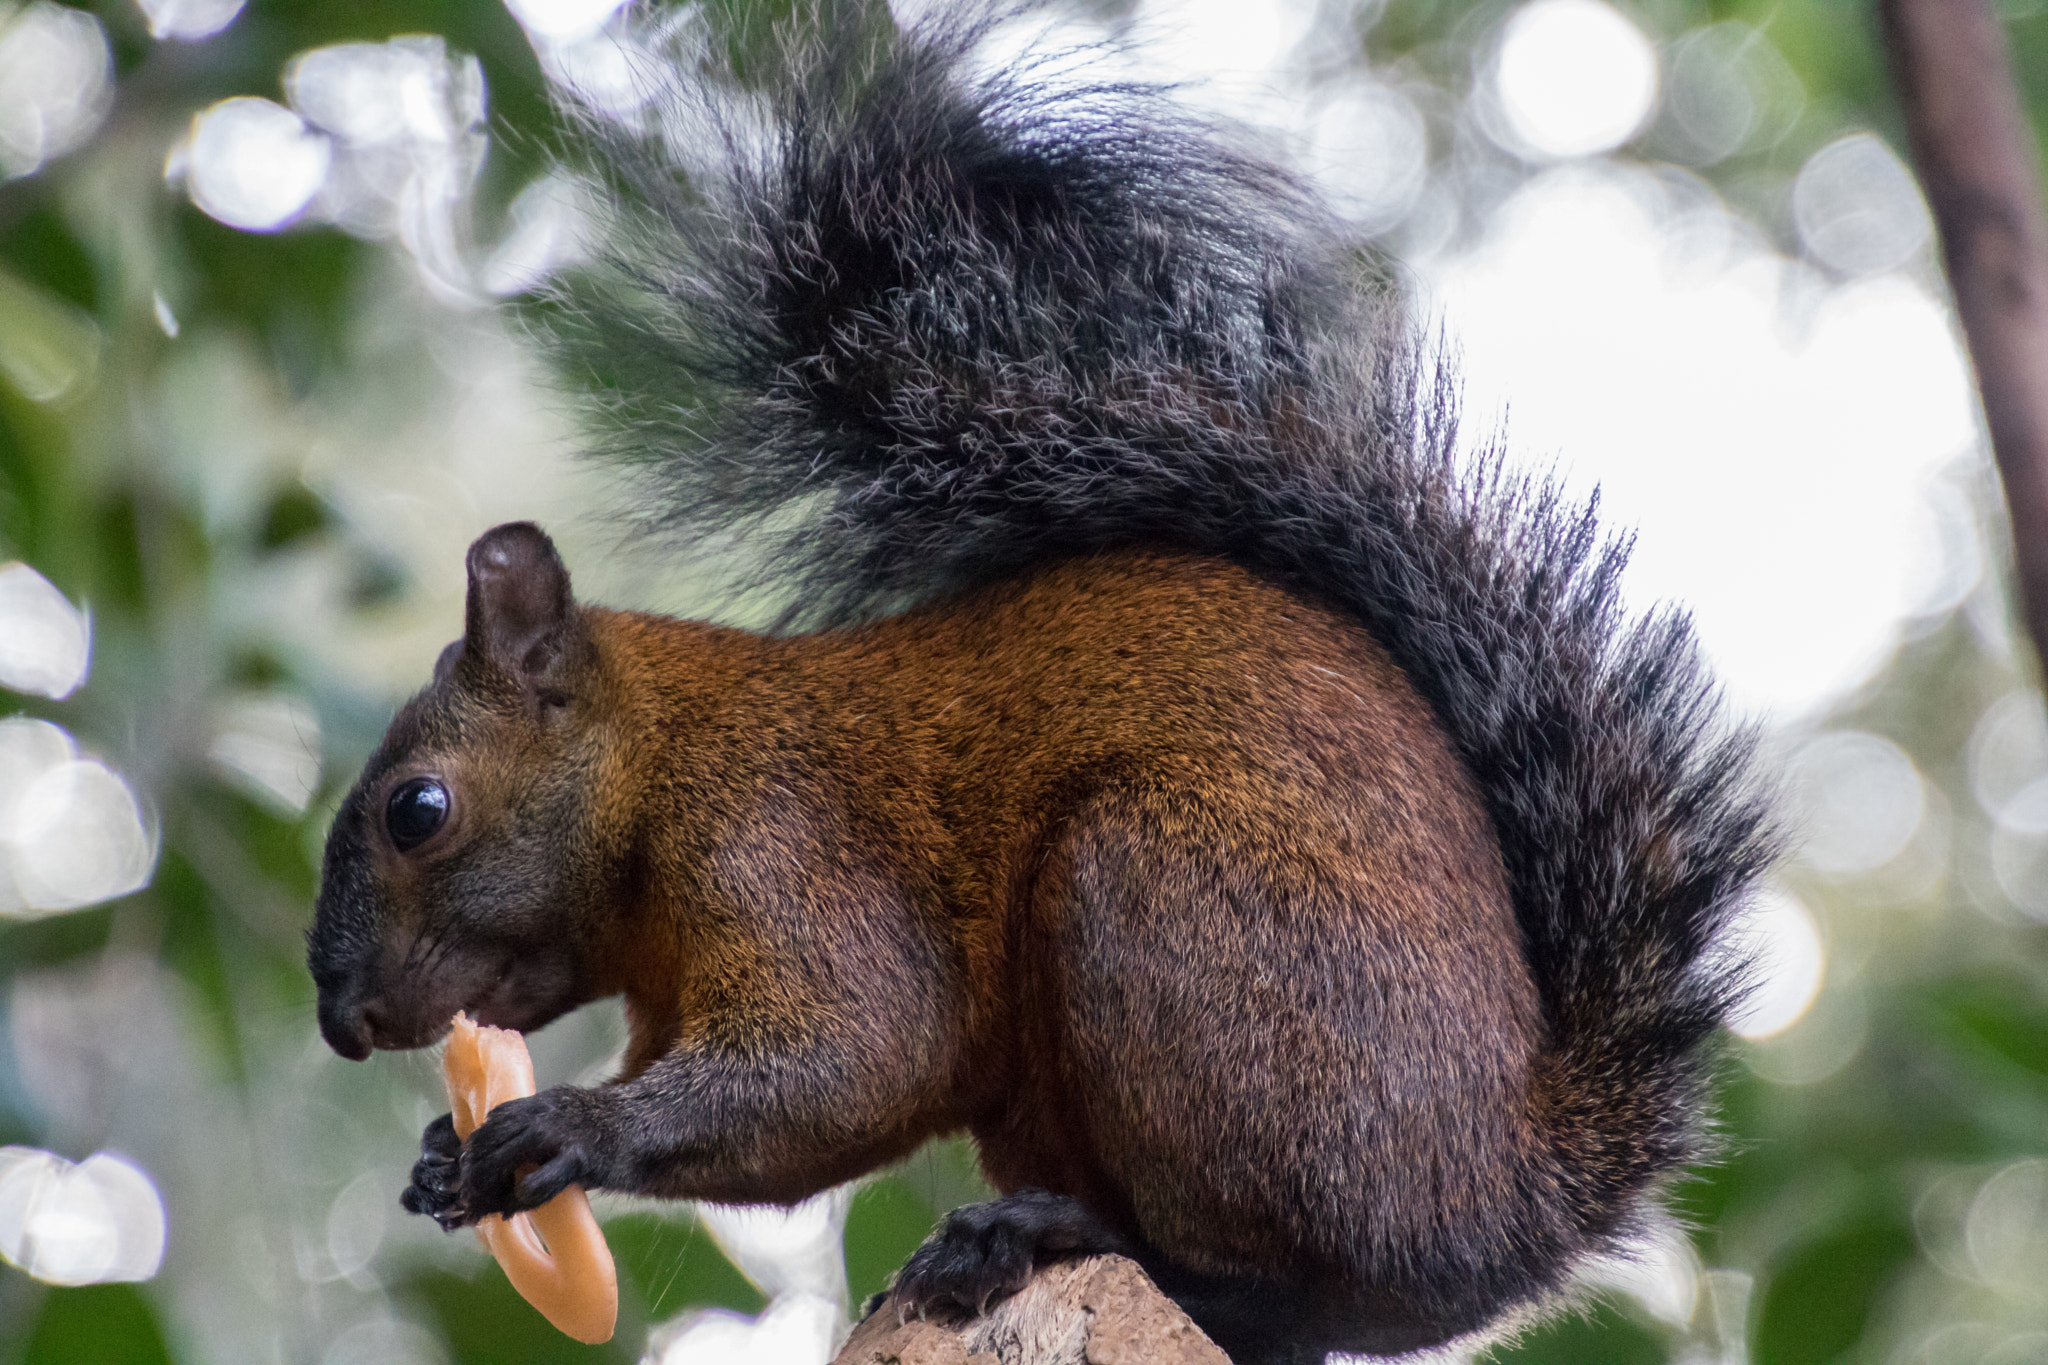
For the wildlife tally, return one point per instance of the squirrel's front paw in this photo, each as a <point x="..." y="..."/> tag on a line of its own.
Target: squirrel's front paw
<point x="436" y="1188"/>
<point x="530" y="1150"/>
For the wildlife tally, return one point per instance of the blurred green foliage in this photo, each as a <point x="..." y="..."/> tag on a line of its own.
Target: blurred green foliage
<point x="1828" y="1228"/>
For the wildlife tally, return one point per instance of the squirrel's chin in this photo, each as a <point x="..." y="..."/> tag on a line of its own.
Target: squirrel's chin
<point x="355" y="1028"/>
<point x="529" y="992"/>
<point x="425" y="1034"/>
<point x="523" y="1015"/>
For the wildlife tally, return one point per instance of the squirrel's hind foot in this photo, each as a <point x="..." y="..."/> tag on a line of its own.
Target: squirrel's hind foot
<point x="983" y="1253"/>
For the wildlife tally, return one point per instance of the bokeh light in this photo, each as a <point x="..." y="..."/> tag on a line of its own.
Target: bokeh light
<point x="253" y="164"/>
<point x="56" y="80"/>
<point x="97" y="1221"/>
<point x="384" y="1340"/>
<point x="28" y="749"/>
<point x="49" y="347"/>
<point x="1574" y="77"/>
<point x="1727" y="90"/>
<point x="1857" y="207"/>
<point x="357" y="1220"/>
<point x="2006" y="1230"/>
<point x="71" y="832"/>
<point x="1609" y="314"/>
<point x="268" y="744"/>
<point x="795" y="1257"/>
<point x="2019" y="851"/>
<point x="547" y="228"/>
<point x="1227" y="56"/>
<point x="405" y="118"/>
<point x="562" y="19"/>
<point x="614" y="72"/>
<point x="2008" y="750"/>
<point x="1660" y="1271"/>
<point x="1369" y="148"/>
<point x="2008" y="770"/>
<point x="384" y="140"/>
<point x="1861" y="797"/>
<point x="1779" y="936"/>
<point x="189" y="20"/>
<point x="797" y="1329"/>
<point x="45" y="642"/>
<point x="375" y="94"/>
<point x="786" y="1251"/>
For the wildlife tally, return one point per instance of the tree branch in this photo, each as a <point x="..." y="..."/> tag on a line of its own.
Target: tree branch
<point x="1976" y="159"/>
<point x="1099" y="1311"/>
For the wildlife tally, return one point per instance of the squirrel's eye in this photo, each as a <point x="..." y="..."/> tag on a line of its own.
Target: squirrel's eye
<point x="415" y="811"/>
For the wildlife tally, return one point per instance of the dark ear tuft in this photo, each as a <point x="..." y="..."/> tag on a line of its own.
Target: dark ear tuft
<point x="521" y="618"/>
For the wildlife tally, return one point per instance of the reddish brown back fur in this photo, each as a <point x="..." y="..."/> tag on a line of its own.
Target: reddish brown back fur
<point x="1184" y="847"/>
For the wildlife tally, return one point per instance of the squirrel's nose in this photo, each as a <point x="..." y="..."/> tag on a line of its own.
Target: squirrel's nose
<point x="346" y="1025"/>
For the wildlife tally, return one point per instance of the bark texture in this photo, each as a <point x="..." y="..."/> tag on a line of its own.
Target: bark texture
<point x="1975" y="155"/>
<point x="1099" y="1311"/>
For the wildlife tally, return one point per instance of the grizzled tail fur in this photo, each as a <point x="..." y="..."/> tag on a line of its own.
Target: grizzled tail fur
<point x="920" y="326"/>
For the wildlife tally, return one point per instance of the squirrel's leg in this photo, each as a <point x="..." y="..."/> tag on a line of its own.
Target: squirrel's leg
<point x="810" y="1075"/>
<point x="699" y="1124"/>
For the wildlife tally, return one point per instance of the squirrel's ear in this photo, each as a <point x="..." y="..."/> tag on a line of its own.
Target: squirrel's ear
<point x="450" y="656"/>
<point x="521" y="619"/>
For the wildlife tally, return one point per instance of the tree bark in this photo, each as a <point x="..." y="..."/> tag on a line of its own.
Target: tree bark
<point x="1976" y="158"/>
<point x="1099" y="1311"/>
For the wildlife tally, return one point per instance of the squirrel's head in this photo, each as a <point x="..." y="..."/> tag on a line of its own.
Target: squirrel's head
<point x="461" y="872"/>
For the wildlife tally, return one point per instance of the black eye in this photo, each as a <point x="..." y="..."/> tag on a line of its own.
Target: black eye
<point x="415" y="811"/>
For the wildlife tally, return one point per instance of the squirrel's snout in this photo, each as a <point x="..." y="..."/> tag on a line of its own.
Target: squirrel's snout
<point x="346" y="1025"/>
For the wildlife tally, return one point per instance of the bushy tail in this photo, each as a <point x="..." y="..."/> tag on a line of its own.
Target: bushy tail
<point x="921" y="328"/>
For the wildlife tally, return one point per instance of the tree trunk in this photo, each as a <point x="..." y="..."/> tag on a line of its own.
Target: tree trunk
<point x="1976" y="159"/>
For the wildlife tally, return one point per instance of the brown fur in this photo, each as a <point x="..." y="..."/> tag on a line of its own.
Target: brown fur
<point x="904" y="839"/>
<point x="1161" y="881"/>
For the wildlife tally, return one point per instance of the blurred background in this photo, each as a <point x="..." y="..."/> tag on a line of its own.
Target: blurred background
<point x="264" y="371"/>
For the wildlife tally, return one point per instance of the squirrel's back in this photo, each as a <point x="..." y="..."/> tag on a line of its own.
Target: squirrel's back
<point x="916" y="328"/>
<point x="1229" y="951"/>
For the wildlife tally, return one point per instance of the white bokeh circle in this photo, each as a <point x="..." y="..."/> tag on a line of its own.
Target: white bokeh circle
<point x="254" y="164"/>
<point x="1574" y="77"/>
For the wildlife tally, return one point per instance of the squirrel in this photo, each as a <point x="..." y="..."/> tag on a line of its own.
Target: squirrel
<point x="1259" y="826"/>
